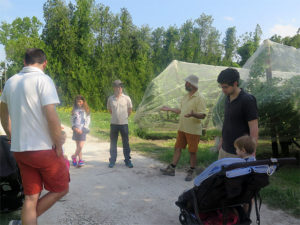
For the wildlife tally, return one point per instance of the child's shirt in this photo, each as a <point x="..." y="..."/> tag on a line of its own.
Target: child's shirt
<point x="80" y="119"/>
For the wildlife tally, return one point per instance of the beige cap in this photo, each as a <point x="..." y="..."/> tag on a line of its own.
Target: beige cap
<point x="117" y="83"/>
<point x="193" y="80"/>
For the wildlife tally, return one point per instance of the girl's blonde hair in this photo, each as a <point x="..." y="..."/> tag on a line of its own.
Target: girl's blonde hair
<point x="85" y="105"/>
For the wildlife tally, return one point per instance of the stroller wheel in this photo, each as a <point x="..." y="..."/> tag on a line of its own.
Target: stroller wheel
<point x="182" y="219"/>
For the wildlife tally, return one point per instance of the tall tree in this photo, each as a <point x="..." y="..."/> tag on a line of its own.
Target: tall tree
<point x="17" y="37"/>
<point x="82" y="22"/>
<point x="230" y="44"/>
<point x="60" y="37"/>
<point x="170" y="51"/>
<point x="187" y="42"/>
<point x="257" y="35"/>
<point x="157" y="43"/>
<point x="208" y="48"/>
<point x="251" y="42"/>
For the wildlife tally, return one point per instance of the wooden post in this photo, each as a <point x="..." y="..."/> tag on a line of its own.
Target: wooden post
<point x="268" y="62"/>
<point x="274" y="138"/>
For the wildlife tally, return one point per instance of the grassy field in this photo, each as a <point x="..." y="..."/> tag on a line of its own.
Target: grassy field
<point x="283" y="191"/>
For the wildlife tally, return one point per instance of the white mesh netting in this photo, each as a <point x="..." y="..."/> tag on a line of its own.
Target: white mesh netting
<point x="168" y="89"/>
<point x="278" y="64"/>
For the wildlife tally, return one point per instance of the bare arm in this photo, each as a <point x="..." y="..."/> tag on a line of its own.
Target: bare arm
<point x="5" y="120"/>
<point x="174" y="110"/>
<point x="196" y="115"/>
<point x="253" y="127"/>
<point x="54" y="127"/>
<point x="129" y="111"/>
<point x="220" y="143"/>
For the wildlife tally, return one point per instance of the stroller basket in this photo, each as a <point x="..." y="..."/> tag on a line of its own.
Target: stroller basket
<point x="227" y="195"/>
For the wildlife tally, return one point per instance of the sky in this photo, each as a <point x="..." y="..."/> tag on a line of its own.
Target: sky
<point x="280" y="17"/>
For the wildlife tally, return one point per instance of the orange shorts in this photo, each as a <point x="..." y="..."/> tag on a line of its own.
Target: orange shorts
<point x="183" y="139"/>
<point x="42" y="168"/>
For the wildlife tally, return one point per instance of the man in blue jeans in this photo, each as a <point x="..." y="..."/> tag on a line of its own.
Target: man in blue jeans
<point x="120" y="107"/>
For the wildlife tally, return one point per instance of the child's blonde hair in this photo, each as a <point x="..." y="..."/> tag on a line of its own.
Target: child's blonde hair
<point x="246" y="142"/>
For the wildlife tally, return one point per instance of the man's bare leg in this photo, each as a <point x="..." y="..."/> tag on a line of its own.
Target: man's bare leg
<point x="193" y="159"/>
<point x="29" y="212"/>
<point x="34" y="207"/>
<point x="48" y="200"/>
<point x="176" y="156"/>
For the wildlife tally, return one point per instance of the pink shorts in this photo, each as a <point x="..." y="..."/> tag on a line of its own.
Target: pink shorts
<point x="42" y="169"/>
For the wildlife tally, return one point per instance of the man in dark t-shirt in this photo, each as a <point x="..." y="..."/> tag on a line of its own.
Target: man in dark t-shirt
<point x="241" y="116"/>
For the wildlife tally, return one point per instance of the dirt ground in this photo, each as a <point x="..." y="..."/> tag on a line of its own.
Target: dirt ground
<point x="117" y="196"/>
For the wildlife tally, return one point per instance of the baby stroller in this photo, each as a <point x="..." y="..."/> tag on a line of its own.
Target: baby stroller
<point x="11" y="191"/>
<point x="224" y="197"/>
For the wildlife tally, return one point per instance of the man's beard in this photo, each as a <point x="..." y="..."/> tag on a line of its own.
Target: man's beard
<point x="188" y="89"/>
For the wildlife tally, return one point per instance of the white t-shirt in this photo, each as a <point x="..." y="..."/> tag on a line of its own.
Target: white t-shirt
<point x="119" y="107"/>
<point x="25" y="95"/>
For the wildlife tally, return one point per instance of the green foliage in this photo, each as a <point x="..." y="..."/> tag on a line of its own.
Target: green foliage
<point x="245" y="51"/>
<point x="283" y="192"/>
<point x="250" y="44"/>
<point x="230" y="44"/>
<point x="17" y="37"/>
<point x="164" y="152"/>
<point x="276" y="99"/>
<point x="290" y="41"/>
<point x="88" y="47"/>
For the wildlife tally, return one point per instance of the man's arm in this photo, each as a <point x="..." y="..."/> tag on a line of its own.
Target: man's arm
<point x="253" y="127"/>
<point x="129" y="111"/>
<point x="108" y="106"/>
<point x="220" y="144"/>
<point x="200" y="108"/>
<point x="54" y="127"/>
<point x="5" y="120"/>
<point x="174" y="110"/>
<point x="196" y="115"/>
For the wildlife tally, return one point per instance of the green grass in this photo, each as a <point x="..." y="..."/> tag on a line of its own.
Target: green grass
<point x="282" y="193"/>
<point x="163" y="151"/>
<point x="284" y="189"/>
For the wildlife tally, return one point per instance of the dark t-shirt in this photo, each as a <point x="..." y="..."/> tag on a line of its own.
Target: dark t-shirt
<point x="237" y="115"/>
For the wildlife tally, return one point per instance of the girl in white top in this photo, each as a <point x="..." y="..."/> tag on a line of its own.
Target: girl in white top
<point x="80" y="126"/>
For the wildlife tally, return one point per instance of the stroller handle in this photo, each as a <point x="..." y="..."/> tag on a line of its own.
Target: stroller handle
<point x="272" y="161"/>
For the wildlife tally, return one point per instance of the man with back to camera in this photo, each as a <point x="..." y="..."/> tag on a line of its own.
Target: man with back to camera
<point x="240" y="116"/>
<point x="30" y="120"/>
<point x="192" y="111"/>
<point x="120" y="108"/>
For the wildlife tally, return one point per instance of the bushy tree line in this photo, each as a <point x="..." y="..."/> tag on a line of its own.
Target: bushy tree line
<point x="88" y="47"/>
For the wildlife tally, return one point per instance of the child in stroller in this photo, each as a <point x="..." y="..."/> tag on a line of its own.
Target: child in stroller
<point x="11" y="191"/>
<point x="223" y="192"/>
